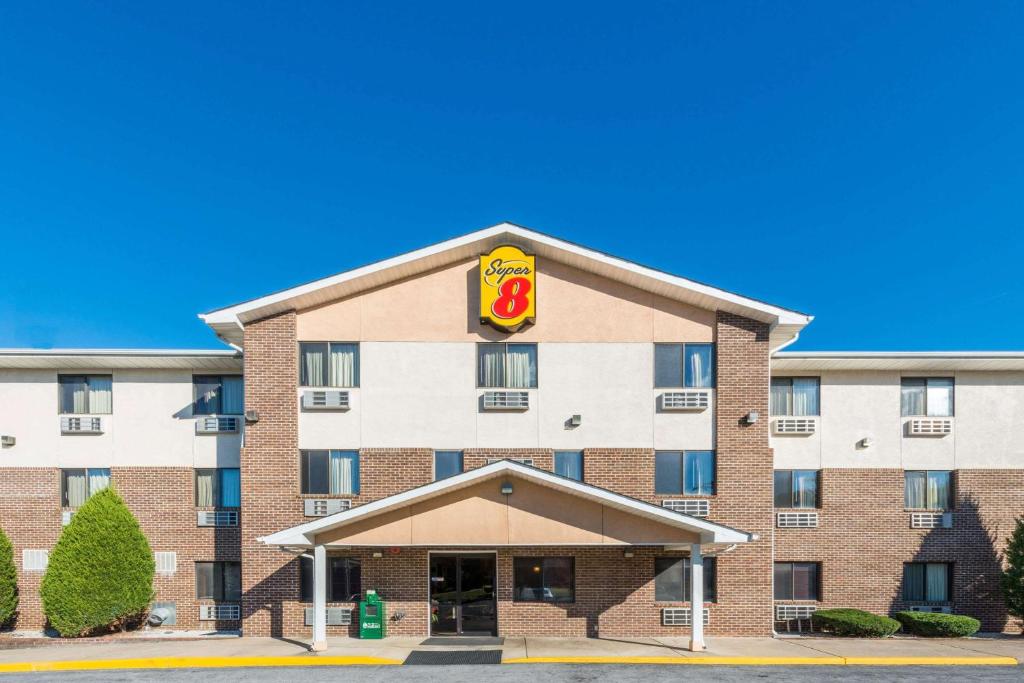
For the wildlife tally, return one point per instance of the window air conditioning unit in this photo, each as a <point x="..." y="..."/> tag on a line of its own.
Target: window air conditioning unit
<point x="929" y="426"/>
<point x="65" y="517"/>
<point x="213" y="424"/>
<point x="224" y="612"/>
<point x="697" y="399"/>
<point x="937" y="609"/>
<point x="796" y="520"/>
<point x="321" y="507"/>
<point x="680" y="616"/>
<point x="795" y="425"/>
<point x="316" y="399"/>
<point x="695" y="507"/>
<point x="336" y="616"/>
<point x="506" y="400"/>
<point x="931" y="520"/>
<point x="790" y="612"/>
<point x="217" y="518"/>
<point x="87" y="424"/>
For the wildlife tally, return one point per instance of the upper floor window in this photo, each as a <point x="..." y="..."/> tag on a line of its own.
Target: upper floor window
<point x="219" y="581"/>
<point x="684" y="365"/>
<point x="219" y="487"/>
<point x="928" y="396"/>
<point x="328" y="364"/>
<point x="569" y="464"/>
<point x="928" y="490"/>
<point x="77" y="485"/>
<point x="796" y="488"/>
<point x="798" y="396"/>
<point x="927" y="581"/>
<point x="511" y="366"/>
<point x="217" y="395"/>
<point x="797" y="581"/>
<point x="344" y="579"/>
<point x="333" y="473"/>
<point x="85" y="394"/>
<point x="447" y="464"/>
<point x="684" y="472"/>
<point x="672" y="579"/>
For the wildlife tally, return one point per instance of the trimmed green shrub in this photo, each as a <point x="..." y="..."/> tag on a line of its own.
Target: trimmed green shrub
<point x="100" y="574"/>
<point x="855" y="623"/>
<point x="1012" y="580"/>
<point x="933" y="625"/>
<point x="8" y="581"/>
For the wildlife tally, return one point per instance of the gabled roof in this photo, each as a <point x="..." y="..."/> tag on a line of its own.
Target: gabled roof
<point x="227" y="322"/>
<point x="304" y="535"/>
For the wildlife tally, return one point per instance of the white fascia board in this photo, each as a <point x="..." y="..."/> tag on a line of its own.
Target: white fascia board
<point x="304" y="535"/>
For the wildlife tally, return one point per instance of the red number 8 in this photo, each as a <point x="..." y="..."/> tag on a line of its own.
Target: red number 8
<point x="512" y="301"/>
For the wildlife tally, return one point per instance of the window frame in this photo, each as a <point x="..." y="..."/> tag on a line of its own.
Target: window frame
<point x="683" y="471"/>
<point x="506" y="344"/>
<point x="578" y="454"/>
<point x="789" y="403"/>
<point x="64" y="502"/>
<point x="304" y="469"/>
<point x="925" y="381"/>
<point x="306" y="569"/>
<point x="951" y="489"/>
<point x="793" y="490"/>
<point x="710" y="577"/>
<point x="62" y="377"/>
<point x="792" y="584"/>
<point x="433" y="462"/>
<point x="542" y="560"/>
<point x="217" y="580"/>
<point x="218" y="487"/>
<point x="220" y="395"/>
<point x="327" y="368"/>
<point x="950" y="569"/>
<point x="682" y="350"/>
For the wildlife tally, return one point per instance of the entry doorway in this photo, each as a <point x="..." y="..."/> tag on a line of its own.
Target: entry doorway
<point x="462" y="594"/>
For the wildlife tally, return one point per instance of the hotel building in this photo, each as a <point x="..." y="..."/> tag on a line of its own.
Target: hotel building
<point x="509" y="434"/>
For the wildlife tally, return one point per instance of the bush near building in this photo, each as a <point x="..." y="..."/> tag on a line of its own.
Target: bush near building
<point x="854" y="623"/>
<point x="1012" y="580"/>
<point x="931" y="625"/>
<point x="100" y="574"/>
<point x="8" y="582"/>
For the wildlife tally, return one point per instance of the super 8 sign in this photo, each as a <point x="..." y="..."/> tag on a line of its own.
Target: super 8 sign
<point x="508" y="291"/>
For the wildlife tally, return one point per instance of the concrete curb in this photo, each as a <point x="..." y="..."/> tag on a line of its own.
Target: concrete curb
<point x="191" y="663"/>
<point x="776" y="661"/>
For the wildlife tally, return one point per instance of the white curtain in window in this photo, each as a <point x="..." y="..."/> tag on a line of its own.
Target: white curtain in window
<point x="80" y="396"/>
<point x="204" y="488"/>
<point x="313" y="362"/>
<point x="98" y="480"/>
<point x="492" y="365"/>
<point x="231" y="396"/>
<point x="805" y="396"/>
<point x="344" y="365"/>
<point x="940" y="397"/>
<point x="781" y="389"/>
<point x="77" y="488"/>
<point x="698" y="365"/>
<point x="936" y="576"/>
<point x="342" y="472"/>
<point x="912" y="397"/>
<point x="100" y="394"/>
<point x="915" y="488"/>
<point x="938" y="490"/>
<point x="805" y="487"/>
<point x="521" y="366"/>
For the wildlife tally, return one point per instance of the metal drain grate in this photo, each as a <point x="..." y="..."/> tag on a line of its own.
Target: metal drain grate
<point x="463" y="641"/>
<point x="449" y="657"/>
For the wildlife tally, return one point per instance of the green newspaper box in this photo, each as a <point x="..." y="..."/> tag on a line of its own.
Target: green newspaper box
<point x="371" y="616"/>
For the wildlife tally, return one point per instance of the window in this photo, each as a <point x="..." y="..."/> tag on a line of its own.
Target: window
<point x="672" y="579"/>
<point x="927" y="396"/>
<point x="77" y="485"/>
<point x="928" y="490"/>
<point x="328" y="364"/>
<point x="685" y="472"/>
<point x="85" y="394"/>
<point x="221" y="581"/>
<point x="544" y="579"/>
<point x="217" y="395"/>
<point x="219" y="487"/>
<point x="684" y="365"/>
<point x="797" y="581"/>
<point x="797" y="396"/>
<point x="927" y="581"/>
<point x="447" y="464"/>
<point x="569" y="464"/>
<point x="344" y="579"/>
<point x="333" y="473"/>
<point x="796" y="488"/>
<point x="507" y="366"/>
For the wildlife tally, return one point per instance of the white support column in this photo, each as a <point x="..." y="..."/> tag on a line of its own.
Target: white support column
<point x="319" y="598"/>
<point x="696" y="599"/>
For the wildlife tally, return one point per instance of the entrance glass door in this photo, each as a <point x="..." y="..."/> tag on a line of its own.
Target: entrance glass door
<point x="462" y="599"/>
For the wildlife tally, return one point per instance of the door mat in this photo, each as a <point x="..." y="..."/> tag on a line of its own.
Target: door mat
<point x="449" y="657"/>
<point x="464" y="641"/>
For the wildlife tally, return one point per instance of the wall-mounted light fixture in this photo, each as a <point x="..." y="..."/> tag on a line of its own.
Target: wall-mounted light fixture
<point x="627" y="553"/>
<point x="751" y="417"/>
<point x="576" y="420"/>
<point x="7" y="441"/>
<point x="378" y="554"/>
<point x="506" y="488"/>
<point x="866" y="442"/>
<point x="252" y="417"/>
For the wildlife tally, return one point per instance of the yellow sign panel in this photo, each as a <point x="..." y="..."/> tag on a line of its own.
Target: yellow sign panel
<point x="508" y="291"/>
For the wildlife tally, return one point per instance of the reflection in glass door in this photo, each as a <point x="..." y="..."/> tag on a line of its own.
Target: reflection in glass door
<point x="462" y="599"/>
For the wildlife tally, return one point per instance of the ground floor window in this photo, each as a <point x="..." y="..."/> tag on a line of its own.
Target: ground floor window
<point x="672" y="579"/>
<point x="221" y="581"/>
<point x="219" y="487"/>
<point x="544" y="579"/>
<point x="77" y="485"/>
<point x="797" y="581"/>
<point x="344" y="579"/>
<point x="927" y="581"/>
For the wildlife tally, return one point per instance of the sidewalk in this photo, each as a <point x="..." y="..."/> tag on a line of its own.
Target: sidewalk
<point x="139" y="653"/>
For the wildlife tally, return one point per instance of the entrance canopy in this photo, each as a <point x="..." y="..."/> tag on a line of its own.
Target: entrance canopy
<point x="506" y="503"/>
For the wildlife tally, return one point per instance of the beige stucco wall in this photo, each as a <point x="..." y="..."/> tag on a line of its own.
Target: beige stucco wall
<point x="572" y="305"/>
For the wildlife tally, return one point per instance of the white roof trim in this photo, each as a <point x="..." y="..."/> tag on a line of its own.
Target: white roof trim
<point x="898" y="360"/>
<point x="227" y="321"/>
<point x="304" y="534"/>
<point x="199" y="359"/>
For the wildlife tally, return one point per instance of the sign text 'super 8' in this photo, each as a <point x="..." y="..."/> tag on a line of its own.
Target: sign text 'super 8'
<point x="508" y="292"/>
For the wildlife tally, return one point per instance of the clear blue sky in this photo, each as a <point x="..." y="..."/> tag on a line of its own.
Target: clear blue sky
<point x="859" y="161"/>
